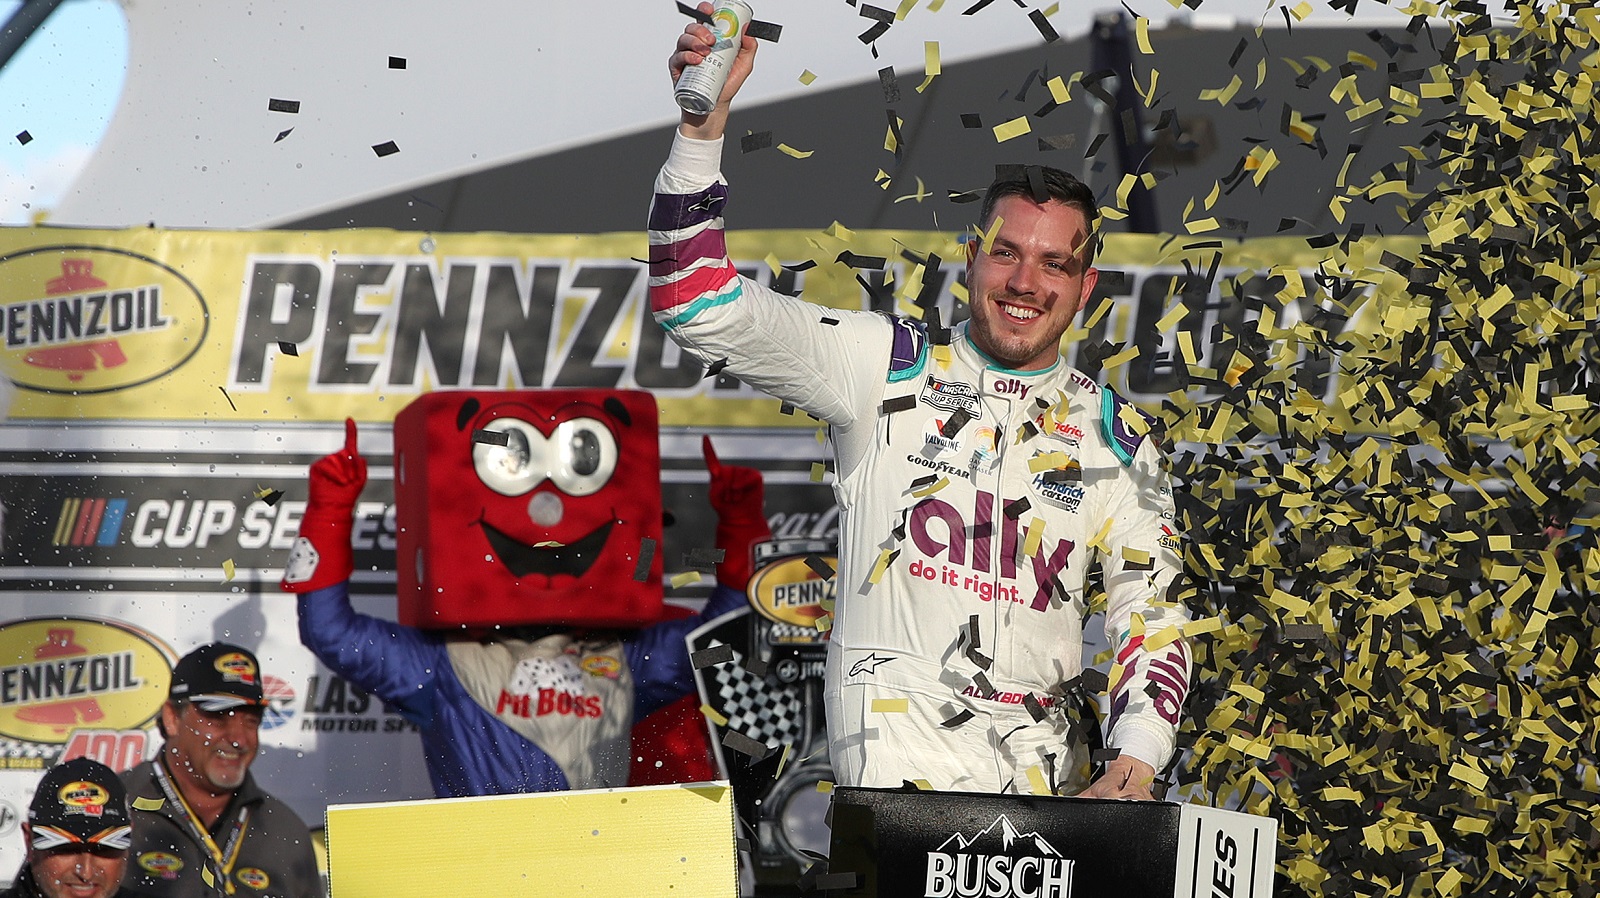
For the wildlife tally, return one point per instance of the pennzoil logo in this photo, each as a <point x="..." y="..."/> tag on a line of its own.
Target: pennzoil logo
<point x="161" y="863"/>
<point x="601" y="666"/>
<point x="83" y="798"/>
<point x="95" y="319"/>
<point x="254" y="877"/>
<point x="789" y="592"/>
<point x="236" y="667"/>
<point x="72" y="673"/>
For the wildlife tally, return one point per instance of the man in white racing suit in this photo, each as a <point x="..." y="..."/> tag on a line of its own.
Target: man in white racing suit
<point x="977" y="476"/>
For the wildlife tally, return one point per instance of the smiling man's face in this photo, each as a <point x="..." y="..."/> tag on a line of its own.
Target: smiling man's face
<point x="78" y="871"/>
<point x="1025" y="291"/>
<point x="211" y="750"/>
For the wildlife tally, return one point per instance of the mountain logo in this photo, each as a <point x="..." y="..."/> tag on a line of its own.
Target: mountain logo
<point x="997" y="862"/>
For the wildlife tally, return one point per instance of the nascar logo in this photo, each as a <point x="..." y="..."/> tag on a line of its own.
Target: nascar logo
<point x="89" y="522"/>
<point x="950" y="396"/>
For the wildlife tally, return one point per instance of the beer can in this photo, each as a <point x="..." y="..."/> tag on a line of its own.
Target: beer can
<point x="700" y="85"/>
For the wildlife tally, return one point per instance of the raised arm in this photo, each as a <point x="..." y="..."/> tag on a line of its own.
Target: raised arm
<point x="394" y="662"/>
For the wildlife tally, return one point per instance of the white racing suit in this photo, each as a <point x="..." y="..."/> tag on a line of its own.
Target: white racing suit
<point x="946" y="522"/>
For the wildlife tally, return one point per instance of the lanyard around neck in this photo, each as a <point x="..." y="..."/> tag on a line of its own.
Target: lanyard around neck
<point x="221" y="860"/>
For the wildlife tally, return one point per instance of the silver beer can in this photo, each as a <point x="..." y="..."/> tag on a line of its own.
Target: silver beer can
<point x="700" y="85"/>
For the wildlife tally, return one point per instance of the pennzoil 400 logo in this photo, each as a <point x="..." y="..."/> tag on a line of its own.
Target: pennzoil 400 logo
<point x="91" y="319"/>
<point x="58" y="675"/>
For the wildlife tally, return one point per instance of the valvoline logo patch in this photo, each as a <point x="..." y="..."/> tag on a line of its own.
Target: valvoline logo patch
<point x="93" y="319"/>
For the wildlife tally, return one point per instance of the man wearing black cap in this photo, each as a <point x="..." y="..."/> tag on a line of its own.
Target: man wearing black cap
<point x="201" y="825"/>
<point x="77" y="835"/>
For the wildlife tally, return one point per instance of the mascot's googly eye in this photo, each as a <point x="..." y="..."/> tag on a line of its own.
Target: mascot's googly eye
<point x="579" y="457"/>
<point x="585" y="455"/>
<point x="516" y="467"/>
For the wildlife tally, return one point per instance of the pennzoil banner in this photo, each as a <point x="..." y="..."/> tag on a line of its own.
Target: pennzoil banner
<point x="147" y="324"/>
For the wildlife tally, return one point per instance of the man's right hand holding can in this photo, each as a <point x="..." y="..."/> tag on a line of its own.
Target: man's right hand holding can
<point x="694" y="45"/>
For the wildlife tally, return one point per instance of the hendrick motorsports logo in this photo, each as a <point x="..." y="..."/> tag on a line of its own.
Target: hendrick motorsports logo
<point x="95" y="319"/>
<point x="80" y="673"/>
<point x="998" y="862"/>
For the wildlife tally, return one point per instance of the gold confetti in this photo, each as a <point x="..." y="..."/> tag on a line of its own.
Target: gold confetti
<point x="712" y="715"/>
<point x="1015" y="128"/>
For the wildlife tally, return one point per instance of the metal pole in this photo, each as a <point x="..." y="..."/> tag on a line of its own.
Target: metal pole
<point x="28" y="19"/>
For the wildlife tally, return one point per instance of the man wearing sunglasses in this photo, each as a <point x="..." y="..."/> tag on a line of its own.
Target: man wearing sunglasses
<point x="77" y="835"/>
<point x="201" y="825"/>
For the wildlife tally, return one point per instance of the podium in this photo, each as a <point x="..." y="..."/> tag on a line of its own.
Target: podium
<point x="644" y="841"/>
<point x="905" y="844"/>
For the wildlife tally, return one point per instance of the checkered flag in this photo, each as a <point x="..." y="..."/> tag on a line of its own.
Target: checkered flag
<point x="762" y="708"/>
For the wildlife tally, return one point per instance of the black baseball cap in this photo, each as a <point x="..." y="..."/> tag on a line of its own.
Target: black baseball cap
<point x="218" y="677"/>
<point x="80" y="802"/>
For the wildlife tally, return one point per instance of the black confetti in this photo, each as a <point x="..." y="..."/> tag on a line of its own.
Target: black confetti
<point x="957" y="719"/>
<point x="744" y="745"/>
<point x="387" y="148"/>
<point x="491" y="437"/>
<point x="764" y="31"/>
<point x="819" y="567"/>
<point x="647" y="555"/>
<point x="692" y="12"/>
<point x="1044" y="26"/>
<point x="290" y="106"/>
<point x="898" y="404"/>
<point x="711" y="657"/>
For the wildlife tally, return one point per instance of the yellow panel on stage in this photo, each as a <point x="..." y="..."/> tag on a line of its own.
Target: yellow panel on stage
<point x="656" y="840"/>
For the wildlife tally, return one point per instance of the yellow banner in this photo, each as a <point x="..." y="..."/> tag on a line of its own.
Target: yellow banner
<point x="317" y="326"/>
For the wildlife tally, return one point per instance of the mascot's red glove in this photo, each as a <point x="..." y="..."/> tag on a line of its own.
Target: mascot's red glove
<point x="321" y="556"/>
<point x="736" y="496"/>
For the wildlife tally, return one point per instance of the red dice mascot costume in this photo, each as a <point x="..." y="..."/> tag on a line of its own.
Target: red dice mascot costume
<point x="534" y="516"/>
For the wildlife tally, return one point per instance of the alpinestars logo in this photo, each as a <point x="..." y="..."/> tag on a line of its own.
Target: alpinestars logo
<point x="998" y="862"/>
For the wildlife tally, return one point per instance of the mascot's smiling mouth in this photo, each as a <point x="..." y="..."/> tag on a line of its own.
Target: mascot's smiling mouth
<point x="521" y="559"/>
